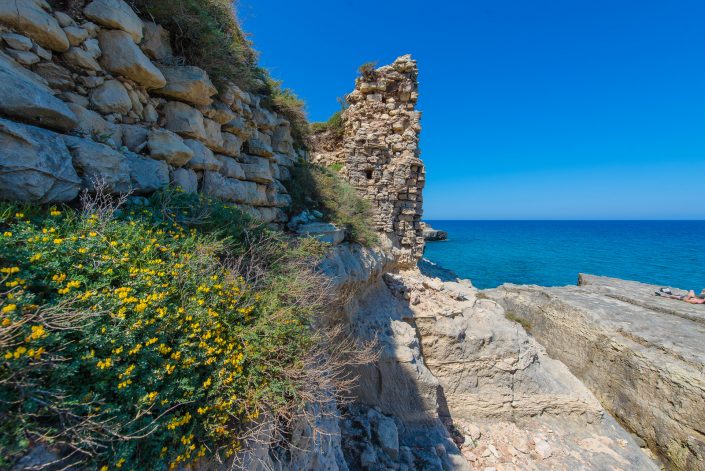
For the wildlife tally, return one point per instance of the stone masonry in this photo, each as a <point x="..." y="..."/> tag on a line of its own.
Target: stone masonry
<point x="380" y="154"/>
<point x="103" y="98"/>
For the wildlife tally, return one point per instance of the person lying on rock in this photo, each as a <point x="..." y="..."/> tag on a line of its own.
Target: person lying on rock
<point x="688" y="298"/>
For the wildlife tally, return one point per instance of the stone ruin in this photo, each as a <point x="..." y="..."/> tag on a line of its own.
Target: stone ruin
<point x="379" y="154"/>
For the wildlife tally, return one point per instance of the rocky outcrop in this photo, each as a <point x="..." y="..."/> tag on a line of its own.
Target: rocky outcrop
<point x="110" y="77"/>
<point x="430" y="234"/>
<point x="380" y="154"/>
<point x="640" y="354"/>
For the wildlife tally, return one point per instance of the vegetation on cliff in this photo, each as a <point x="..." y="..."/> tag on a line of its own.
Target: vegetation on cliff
<point x="154" y="334"/>
<point x="316" y="187"/>
<point x="207" y="33"/>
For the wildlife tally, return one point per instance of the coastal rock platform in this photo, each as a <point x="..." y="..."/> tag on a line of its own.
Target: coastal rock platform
<point x="643" y="356"/>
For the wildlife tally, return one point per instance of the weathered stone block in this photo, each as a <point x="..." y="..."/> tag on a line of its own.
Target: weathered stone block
<point x="257" y="169"/>
<point x="122" y="56"/>
<point x="115" y="14"/>
<point x="32" y="19"/>
<point x="187" y="83"/>
<point x="98" y="164"/>
<point x="166" y="145"/>
<point x="111" y="97"/>
<point x="185" y="120"/>
<point x="35" y="165"/>
<point x="147" y="175"/>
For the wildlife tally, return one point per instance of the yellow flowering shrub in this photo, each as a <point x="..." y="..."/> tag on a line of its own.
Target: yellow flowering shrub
<point x="148" y="338"/>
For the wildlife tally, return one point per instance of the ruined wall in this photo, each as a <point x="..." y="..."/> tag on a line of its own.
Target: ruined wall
<point x="105" y="99"/>
<point x="380" y="154"/>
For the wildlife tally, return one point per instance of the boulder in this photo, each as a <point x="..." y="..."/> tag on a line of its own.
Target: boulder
<point x="92" y="46"/>
<point x="238" y="127"/>
<point x="222" y="113"/>
<point x="32" y="18"/>
<point x="257" y="169"/>
<point x="187" y="83"/>
<point x="25" y="58"/>
<point x="282" y="141"/>
<point x="76" y="35"/>
<point x="387" y="436"/>
<point x="64" y="19"/>
<point x="98" y="164"/>
<point x="81" y="59"/>
<point x="17" y="41"/>
<point x="231" y="145"/>
<point x="156" y="42"/>
<point x="203" y="158"/>
<point x="230" y="189"/>
<point x="115" y="14"/>
<point x="166" y="145"/>
<point x="24" y="97"/>
<point x="134" y="136"/>
<point x="214" y="137"/>
<point x="122" y="56"/>
<point x="184" y="120"/>
<point x="258" y="144"/>
<point x="35" y="165"/>
<point x="111" y="97"/>
<point x="93" y="124"/>
<point x="57" y="76"/>
<point x="185" y="179"/>
<point x="147" y="175"/>
<point x="230" y="167"/>
<point x="264" y="119"/>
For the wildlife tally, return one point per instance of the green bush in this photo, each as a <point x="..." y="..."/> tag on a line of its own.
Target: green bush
<point x="367" y="70"/>
<point x="334" y="124"/>
<point x="288" y="104"/>
<point x="149" y="336"/>
<point x="315" y="187"/>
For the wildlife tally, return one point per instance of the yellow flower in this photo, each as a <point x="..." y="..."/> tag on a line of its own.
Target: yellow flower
<point x="9" y="308"/>
<point x="58" y="241"/>
<point x="207" y="383"/>
<point x="103" y="468"/>
<point x="82" y="250"/>
<point x="120" y="463"/>
<point x="92" y="234"/>
<point x="19" y="215"/>
<point x="55" y="212"/>
<point x="7" y="234"/>
<point x="35" y="257"/>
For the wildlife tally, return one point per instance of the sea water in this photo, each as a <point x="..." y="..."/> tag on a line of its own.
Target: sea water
<point x="552" y="253"/>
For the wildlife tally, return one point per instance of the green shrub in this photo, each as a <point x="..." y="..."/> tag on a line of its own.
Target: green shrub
<point x="334" y="124"/>
<point x="315" y="187"/>
<point x="367" y="70"/>
<point x="207" y="34"/>
<point x="149" y="336"/>
<point x="288" y="104"/>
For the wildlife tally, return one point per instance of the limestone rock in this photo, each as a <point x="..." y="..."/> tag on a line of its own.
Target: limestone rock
<point x="203" y="158"/>
<point x="187" y="83"/>
<point x="111" y="97"/>
<point x="431" y="234"/>
<point x="238" y="127"/>
<point x="222" y="114"/>
<point x="31" y="17"/>
<point x="23" y="97"/>
<point x="115" y="14"/>
<point x="258" y="144"/>
<point x="64" y="19"/>
<point x="17" y="41"/>
<point x="323" y="231"/>
<point x="147" y="175"/>
<point x="76" y="35"/>
<point x="230" y="167"/>
<point x="81" y="59"/>
<point x="57" y="76"/>
<point x="257" y="169"/>
<point x="122" y="56"/>
<point x="156" y="42"/>
<point x="232" y="144"/>
<point x="388" y="436"/>
<point x="134" y="136"/>
<point x="35" y="165"/>
<point x="92" y="47"/>
<point x="214" y="137"/>
<point x="166" y="145"/>
<point x="185" y="179"/>
<point x="25" y="58"/>
<point x="93" y="124"/>
<point x="98" y="164"/>
<point x="184" y="120"/>
<point x="230" y="189"/>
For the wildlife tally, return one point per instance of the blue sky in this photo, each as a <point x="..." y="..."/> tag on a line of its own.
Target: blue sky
<point x="542" y="109"/>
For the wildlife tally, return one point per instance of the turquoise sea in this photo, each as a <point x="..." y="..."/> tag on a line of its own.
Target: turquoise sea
<point x="552" y="253"/>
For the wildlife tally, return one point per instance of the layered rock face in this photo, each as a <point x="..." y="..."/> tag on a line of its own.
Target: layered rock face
<point x="640" y="354"/>
<point x="379" y="154"/>
<point x="101" y="100"/>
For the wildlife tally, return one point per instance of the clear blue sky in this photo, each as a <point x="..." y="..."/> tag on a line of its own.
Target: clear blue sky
<point x="541" y="109"/>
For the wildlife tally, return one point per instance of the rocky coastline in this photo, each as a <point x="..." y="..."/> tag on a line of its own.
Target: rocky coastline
<point x="597" y="376"/>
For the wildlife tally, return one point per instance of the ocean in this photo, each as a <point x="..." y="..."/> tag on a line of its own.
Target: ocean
<point x="552" y="253"/>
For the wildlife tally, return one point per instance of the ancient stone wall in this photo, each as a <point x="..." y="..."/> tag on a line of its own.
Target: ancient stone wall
<point x="105" y="99"/>
<point x="380" y="154"/>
